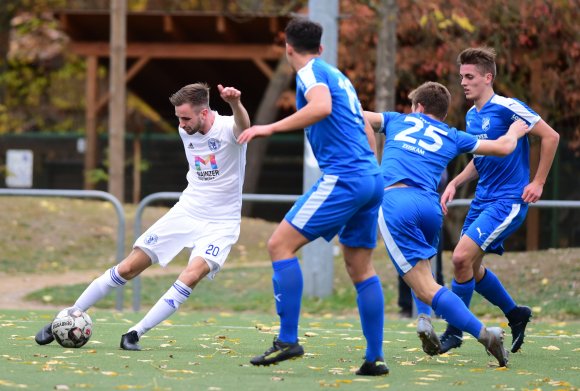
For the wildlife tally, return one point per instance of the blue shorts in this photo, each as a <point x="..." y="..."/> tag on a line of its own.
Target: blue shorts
<point x="410" y="223"/>
<point x="337" y="205"/>
<point x="489" y="223"/>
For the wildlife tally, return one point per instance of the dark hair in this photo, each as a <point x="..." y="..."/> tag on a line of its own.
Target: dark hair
<point x="195" y="94"/>
<point x="483" y="58"/>
<point x="434" y="97"/>
<point x="304" y="35"/>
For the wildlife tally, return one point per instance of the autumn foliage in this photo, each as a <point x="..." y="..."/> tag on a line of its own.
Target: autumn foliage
<point x="536" y="41"/>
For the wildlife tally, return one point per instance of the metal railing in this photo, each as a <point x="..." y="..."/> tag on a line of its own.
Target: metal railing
<point x="269" y="198"/>
<point x="84" y="194"/>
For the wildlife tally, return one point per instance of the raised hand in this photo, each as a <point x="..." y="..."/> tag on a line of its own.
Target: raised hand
<point x="229" y="94"/>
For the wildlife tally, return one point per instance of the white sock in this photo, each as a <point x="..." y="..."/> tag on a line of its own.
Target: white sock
<point x="99" y="288"/>
<point x="164" y="308"/>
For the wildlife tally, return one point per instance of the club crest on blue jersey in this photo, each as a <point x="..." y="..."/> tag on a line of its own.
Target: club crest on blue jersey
<point x="515" y="117"/>
<point x="213" y="144"/>
<point x="485" y="123"/>
<point x="151" y="239"/>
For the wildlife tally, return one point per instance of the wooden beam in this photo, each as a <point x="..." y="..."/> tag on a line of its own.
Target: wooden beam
<point x="168" y="25"/>
<point x="261" y="64"/>
<point x="118" y="101"/>
<point x="170" y="28"/>
<point x="90" y="161"/>
<point x="220" y="24"/>
<point x="274" y="25"/>
<point x="135" y="68"/>
<point x="183" y="50"/>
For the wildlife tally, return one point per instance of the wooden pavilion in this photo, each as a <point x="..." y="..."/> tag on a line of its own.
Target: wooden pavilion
<point x="167" y="50"/>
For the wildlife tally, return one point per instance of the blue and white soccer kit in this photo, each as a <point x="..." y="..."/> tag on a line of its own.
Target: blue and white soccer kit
<point x="417" y="150"/>
<point x="498" y="209"/>
<point x="345" y="200"/>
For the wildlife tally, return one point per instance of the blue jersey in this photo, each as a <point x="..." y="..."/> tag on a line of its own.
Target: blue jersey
<point x="418" y="148"/>
<point x="339" y="141"/>
<point x="501" y="177"/>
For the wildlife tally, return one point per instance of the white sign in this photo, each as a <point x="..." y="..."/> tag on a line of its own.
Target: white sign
<point x="19" y="167"/>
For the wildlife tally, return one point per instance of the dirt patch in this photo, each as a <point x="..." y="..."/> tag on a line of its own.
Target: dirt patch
<point x="15" y="287"/>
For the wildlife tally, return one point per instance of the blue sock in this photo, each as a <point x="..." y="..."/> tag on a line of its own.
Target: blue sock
<point x="447" y="305"/>
<point x="371" y="308"/>
<point x="288" y="284"/>
<point x="491" y="288"/>
<point x="422" y="308"/>
<point x="464" y="290"/>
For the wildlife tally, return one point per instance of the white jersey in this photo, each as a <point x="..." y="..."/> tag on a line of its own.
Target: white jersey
<point x="216" y="172"/>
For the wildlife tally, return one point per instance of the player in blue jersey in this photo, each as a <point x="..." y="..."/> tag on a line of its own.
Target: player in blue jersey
<point x="502" y="194"/>
<point x="418" y="147"/>
<point x="344" y="201"/>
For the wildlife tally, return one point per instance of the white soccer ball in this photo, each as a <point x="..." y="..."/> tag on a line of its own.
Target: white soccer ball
<point x="72" y="328"/>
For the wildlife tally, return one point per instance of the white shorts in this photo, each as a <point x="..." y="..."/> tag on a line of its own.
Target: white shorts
<point x="177" y="229"/>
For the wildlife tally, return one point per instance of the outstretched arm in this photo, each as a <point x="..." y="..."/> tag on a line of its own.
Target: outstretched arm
<point x="319" y="106"/>
<point x="375" y="119"/>
<point x="371" y="137"/>
<point x="468" y="174"/>
<point x="233" y="97"/>
<point x="506" y="144"/>
<point x="548" y="146"/>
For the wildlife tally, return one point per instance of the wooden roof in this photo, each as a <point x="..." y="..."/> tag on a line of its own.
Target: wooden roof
<point x="167" y="50"/>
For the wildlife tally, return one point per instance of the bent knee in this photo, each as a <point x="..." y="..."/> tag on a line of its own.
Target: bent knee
<point x="128" y="271"/>
<point x="134" y="264"/>
<point x="461" y="259"/>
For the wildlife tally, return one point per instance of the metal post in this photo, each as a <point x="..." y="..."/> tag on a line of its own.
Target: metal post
<point x="317" y="257"/>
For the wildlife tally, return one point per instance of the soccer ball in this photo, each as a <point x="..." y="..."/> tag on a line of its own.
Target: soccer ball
<point x="72" y="328"/>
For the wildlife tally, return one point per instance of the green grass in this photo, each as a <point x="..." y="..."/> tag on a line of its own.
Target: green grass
<point x="237" y="289"/>
<point x="50" y="236"/>
<point x="249" y="288"/>
<point x="210" y="351"/>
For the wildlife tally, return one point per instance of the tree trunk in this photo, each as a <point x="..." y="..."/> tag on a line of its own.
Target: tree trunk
<point x="266" y="113"/>
<point x="385" y="66"/>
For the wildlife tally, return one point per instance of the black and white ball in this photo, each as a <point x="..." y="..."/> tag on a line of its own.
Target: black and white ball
<point x="72" y="328"/>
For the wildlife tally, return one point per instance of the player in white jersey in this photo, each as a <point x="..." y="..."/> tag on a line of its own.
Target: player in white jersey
<point x="418" y="147"/>
<point x="206" y="218"/>
<point x="502" y="194"/>
<point x="344" y="201"/>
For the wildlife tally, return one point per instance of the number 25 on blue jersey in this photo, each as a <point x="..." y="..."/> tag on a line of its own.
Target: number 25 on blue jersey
<point x="430" y="132"/>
